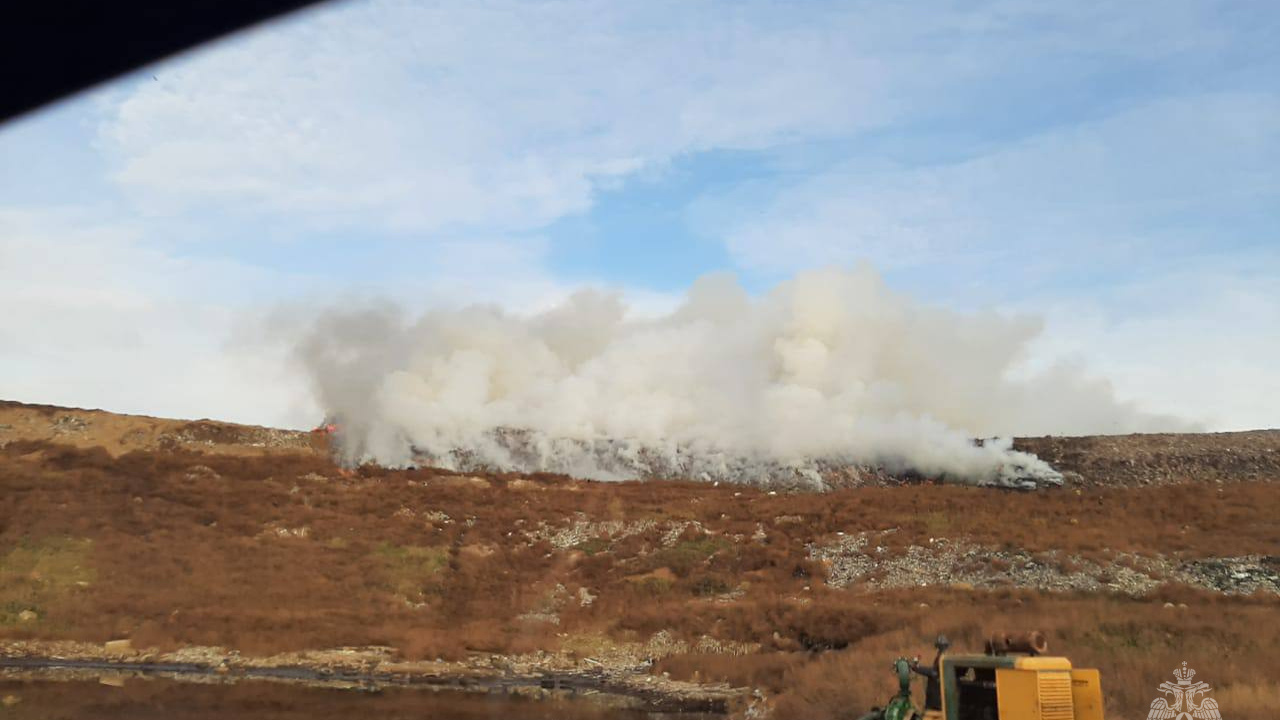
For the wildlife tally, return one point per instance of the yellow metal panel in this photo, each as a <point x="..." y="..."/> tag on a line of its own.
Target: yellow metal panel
<point x="1035" y="695"/>
<point x="1042" y="663"/>
<point x="1016" y="694"/>
<point x="1086" y="693"/>
<point x="1054" y="694"/>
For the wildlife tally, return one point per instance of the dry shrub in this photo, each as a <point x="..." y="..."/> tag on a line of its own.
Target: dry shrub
<point x="766" y="671"/>
<point x="834" y="685"/>
<point x="189" y="548"/>
<point x="1248" y="700"/>
<point x="1134" y="642"/>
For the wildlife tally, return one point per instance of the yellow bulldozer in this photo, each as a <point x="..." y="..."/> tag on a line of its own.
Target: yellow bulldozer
<point x="1012" y="680"/>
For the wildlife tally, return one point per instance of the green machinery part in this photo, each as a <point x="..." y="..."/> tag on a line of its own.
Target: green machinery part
<point x="900" y="706"/>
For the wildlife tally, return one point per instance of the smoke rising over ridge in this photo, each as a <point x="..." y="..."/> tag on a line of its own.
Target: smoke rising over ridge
<point x="830" y="368"/>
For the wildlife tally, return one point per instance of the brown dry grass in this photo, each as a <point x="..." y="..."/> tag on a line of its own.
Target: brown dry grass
<point x="1135" y="642"/>
<point x="119" y="434"/>
<point x="287" y="552"/>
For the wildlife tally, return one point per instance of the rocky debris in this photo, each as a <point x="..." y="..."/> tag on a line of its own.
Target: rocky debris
<point x="549" y="618"/>
<point x="674" y="530"/>
<point x="861" y="561"/>
<point x="547" y="610"/>
<point x="118" y="433"/>
<point x="1239" y="575"/>
<point x="622" y="669"/>
<point x="1161" y="459"/>
<point x="758" y="707"/>
<point x="437" y="517"/>
<point x="582" y="530"/>
<point x="279" y="531"/>
<point x="27" y="616"/>
<point x="202" y="472"/>
<point x="522" y="450"/>
<point x="209" y="432"/>
<point x="845" y="559"/>
<point x="663" y="644"/>
<point x="69" y="425"/>
<point x="202" y="655"/>
<point x="117" y="647"/>
<point x="1154" y="459"/>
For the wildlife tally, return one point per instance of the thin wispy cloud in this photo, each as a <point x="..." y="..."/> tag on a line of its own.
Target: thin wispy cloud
<point x="1107" y="166"/>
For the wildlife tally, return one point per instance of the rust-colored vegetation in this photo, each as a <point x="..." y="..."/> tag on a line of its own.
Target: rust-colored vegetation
<point x="286" y="551"/>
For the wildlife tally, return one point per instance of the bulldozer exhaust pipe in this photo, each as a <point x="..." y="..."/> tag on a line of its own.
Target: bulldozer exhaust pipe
<point x="1032" y="643"/>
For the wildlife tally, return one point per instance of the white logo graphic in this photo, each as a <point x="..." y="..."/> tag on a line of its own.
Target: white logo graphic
<point x="1184" y="705"/>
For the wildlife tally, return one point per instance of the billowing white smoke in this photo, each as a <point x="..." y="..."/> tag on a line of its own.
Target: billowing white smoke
<point x="829" y="369"/>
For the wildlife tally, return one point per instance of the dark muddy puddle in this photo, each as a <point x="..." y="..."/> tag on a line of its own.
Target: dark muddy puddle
<point x="137" y="697"/>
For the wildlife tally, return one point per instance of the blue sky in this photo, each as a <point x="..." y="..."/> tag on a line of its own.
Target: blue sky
<point x="1107" y="167"/>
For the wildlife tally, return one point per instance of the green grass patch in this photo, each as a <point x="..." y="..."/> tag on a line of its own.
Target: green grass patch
<point x="409" y="569"/>
<point x="937" y="523"/>
<point x="686" y="555"/>
<point x="593" y="546"/>
<point x="654" y="586"/>
<point x="38" y="572"/>
<point x="709" y="585"/>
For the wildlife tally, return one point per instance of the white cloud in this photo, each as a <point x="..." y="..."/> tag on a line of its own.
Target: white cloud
<point x="507" y="115"/>
<point x="99" y="313"/>
<point x="497" y="115"/>
<point x="1101" y="192"/>
<point x="1141" y="237"/>
<point x="471" y="126"/>
<point x="96" y="317"/>
<point x="1197" y="341"/>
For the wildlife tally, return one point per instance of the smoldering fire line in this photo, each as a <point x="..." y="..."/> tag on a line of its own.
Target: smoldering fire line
<point x="830" y="369"/>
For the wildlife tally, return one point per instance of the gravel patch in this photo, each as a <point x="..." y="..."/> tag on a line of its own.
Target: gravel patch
<point x="860" y="560"/>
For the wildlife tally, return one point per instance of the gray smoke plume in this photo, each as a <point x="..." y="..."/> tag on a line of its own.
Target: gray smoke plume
<point x="828" y="373"/>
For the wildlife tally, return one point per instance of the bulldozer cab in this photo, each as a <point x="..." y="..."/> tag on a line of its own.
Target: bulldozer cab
<point x="1011" y="687"/>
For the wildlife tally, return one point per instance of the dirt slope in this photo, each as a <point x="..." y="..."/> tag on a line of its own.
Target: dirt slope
<point x="1089" y="460"/>
<point x="229" y="542"/>
<point x="118" y="434"/>
<point x="1162" y="458"/>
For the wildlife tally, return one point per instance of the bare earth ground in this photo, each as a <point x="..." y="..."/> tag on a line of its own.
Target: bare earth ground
<point x="236" y="547"/>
